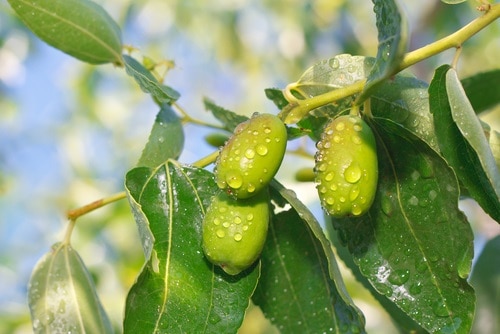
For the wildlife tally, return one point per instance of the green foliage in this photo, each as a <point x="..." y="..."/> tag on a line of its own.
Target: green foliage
<point x="62" y="295"/>
<point x="81" y="28"/>
<point x="412" y="248"/>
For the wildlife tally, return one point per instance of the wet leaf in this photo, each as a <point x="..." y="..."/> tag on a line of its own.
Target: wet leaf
<point x="462" y="140"/>
<point x="392" y="43"/>
<point x="301" y="289"/>
<point x="178" y="289"/>
<point x="166" y="139"/>
<point x="80" y="28"/>
<point x="62" y="296"/>
<point x="415" y="245"/>
<point x="148" y="83"/>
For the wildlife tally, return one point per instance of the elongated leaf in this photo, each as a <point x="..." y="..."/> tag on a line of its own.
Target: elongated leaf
<point x="483" y="90"/>
<point x="166" y="139"/>
<point x="392" y="43"/>
<point x="453" y="2"/>
<point x="178" y="290"/>
<point x="462" y="141"/>
<point x="80" y="28"/>
<point x="301" y="289"/>
<point x="148" y="83"/>
<point x="228" y="118"/>
<point x="415" y="245"/>
<point x="486" y="282"/>
<point x="62" y="295"/>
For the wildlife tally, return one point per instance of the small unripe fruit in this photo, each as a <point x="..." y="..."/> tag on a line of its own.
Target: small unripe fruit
<point x="234" y="231"/>
<point x="346" y="167"/>
<point x="252" y="156"/>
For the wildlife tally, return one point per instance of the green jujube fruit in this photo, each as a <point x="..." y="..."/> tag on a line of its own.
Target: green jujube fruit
<point x="234" y="231"/>
<point x="252" y="156"/>
<point x="346" y="167"/>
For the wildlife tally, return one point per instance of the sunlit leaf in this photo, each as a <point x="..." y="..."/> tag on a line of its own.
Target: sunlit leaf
<point x="178" y="290"/>
<point x="462" y="140"/>
<point x="415" y="246"/>
<point x="301" y="289"/>
<point x="392" y="43"/>
<point x="62" y="296"/>
<point x="453" y="2"/>
<point x="483" y="90"/>
<point x="80" y="28"/>
<point x="166" y="139"/>
<point x="148" y="83"/>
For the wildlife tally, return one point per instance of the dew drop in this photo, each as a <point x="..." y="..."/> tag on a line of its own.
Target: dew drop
<point x="217" y="221"/>
<point x="245" y="227"/>
<point x="237" y="220"/>
<point x="267" y="130"/>
<point x="329" y="176"/>
<point x="416" y="288"/>
<point x="352" y="174"/>
<point x="220" y="233"/>
<point x="413" y="200"/>
<point x="356" y="140"/>
<point x="250" y="216"/>
<point x="340" y="126"/>
<point x="250" y="153"/>
<point x="234" y="179"/>
<point x="399" y="277"/>
<point x="250" y="188"/>
<point x="161" y="139"/>
<point x="322" y="190"/>
<point x="333" y="187"/>
<point x="237" y="237"/>
<point x="330" y="201"/>
<point x="356" y="210"/>
<point x="354" y="194"/>
<point x="321" y="167"/>
<point x="357" y="127"/>
<point x="225" y="224"/>
<point x="261" y="149"/>
<point x="386" y="205"/>
<point x="440" y="309"/>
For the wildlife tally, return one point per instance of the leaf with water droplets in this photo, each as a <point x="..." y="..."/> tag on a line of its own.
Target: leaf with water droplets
<point x="166" y="139"/>
<point x="80" y="28"/>
<point x="392" y="43"/>
<point x="301" y="289"/>
<point x="415" y="245"/>
<point x="161" y="93"/>
<point x="178" y="289"/>
<point x="62" y="296"/>
<point x="462" y="140"/>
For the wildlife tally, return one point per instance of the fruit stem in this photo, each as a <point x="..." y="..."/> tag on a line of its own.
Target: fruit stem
<point x="74" y="214"/>
<point x="206" y="160"/>
<point x="186" y="118"/>
<point x="297" y="109"/>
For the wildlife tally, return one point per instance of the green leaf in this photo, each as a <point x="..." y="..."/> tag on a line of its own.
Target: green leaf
<point x="178" y="290"/>
<point x="485" y="279"/>
<point x="80" y="28"/>
<point x="301" y="289"/>
<point x="392" y="43"/>
<point x="414" y="245"/>
<point x="462" y="141"/>
<point x="276" y="95"/>
<point x="453" y="2"/>
<point x="62" y="296"/>
<point x="405" y="100"/>
<point x="166" y="139"/>
<point x="229" y="119"/>
<point x="483" y="90"/>
<point x="148" y="83"/>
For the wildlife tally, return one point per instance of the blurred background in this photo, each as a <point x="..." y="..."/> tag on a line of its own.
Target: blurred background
<point x="70" y="131"/>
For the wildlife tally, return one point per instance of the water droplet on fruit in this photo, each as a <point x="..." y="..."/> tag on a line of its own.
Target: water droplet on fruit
<point x="250" y="188"/>
<point x="352" y="174"/>
<point x="330" y="200"/>
<point x="234" y="179"/>
<point x="249" y="153"/>
<point x="336" y="139"/>
<point x="333" y="187"/>
<point x="267" y="130"/>
<point x="250" y="216"/>
<point x="340" y="126"/>
<point x="354" y="193"/>
<point x="217" y="221"/>
<point x="356" y="210"/>
<point x="261" y="149"/>
<point x="238" y="237"/>
<point x="329" y="176"/>
<point x="356" y="140"/>
<point x="237" y="220"/>
<point x="357" y="127"/>
<point x="220" y="233"/>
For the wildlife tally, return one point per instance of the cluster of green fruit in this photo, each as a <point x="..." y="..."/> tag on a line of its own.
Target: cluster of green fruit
<point x="236" y="222"/>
